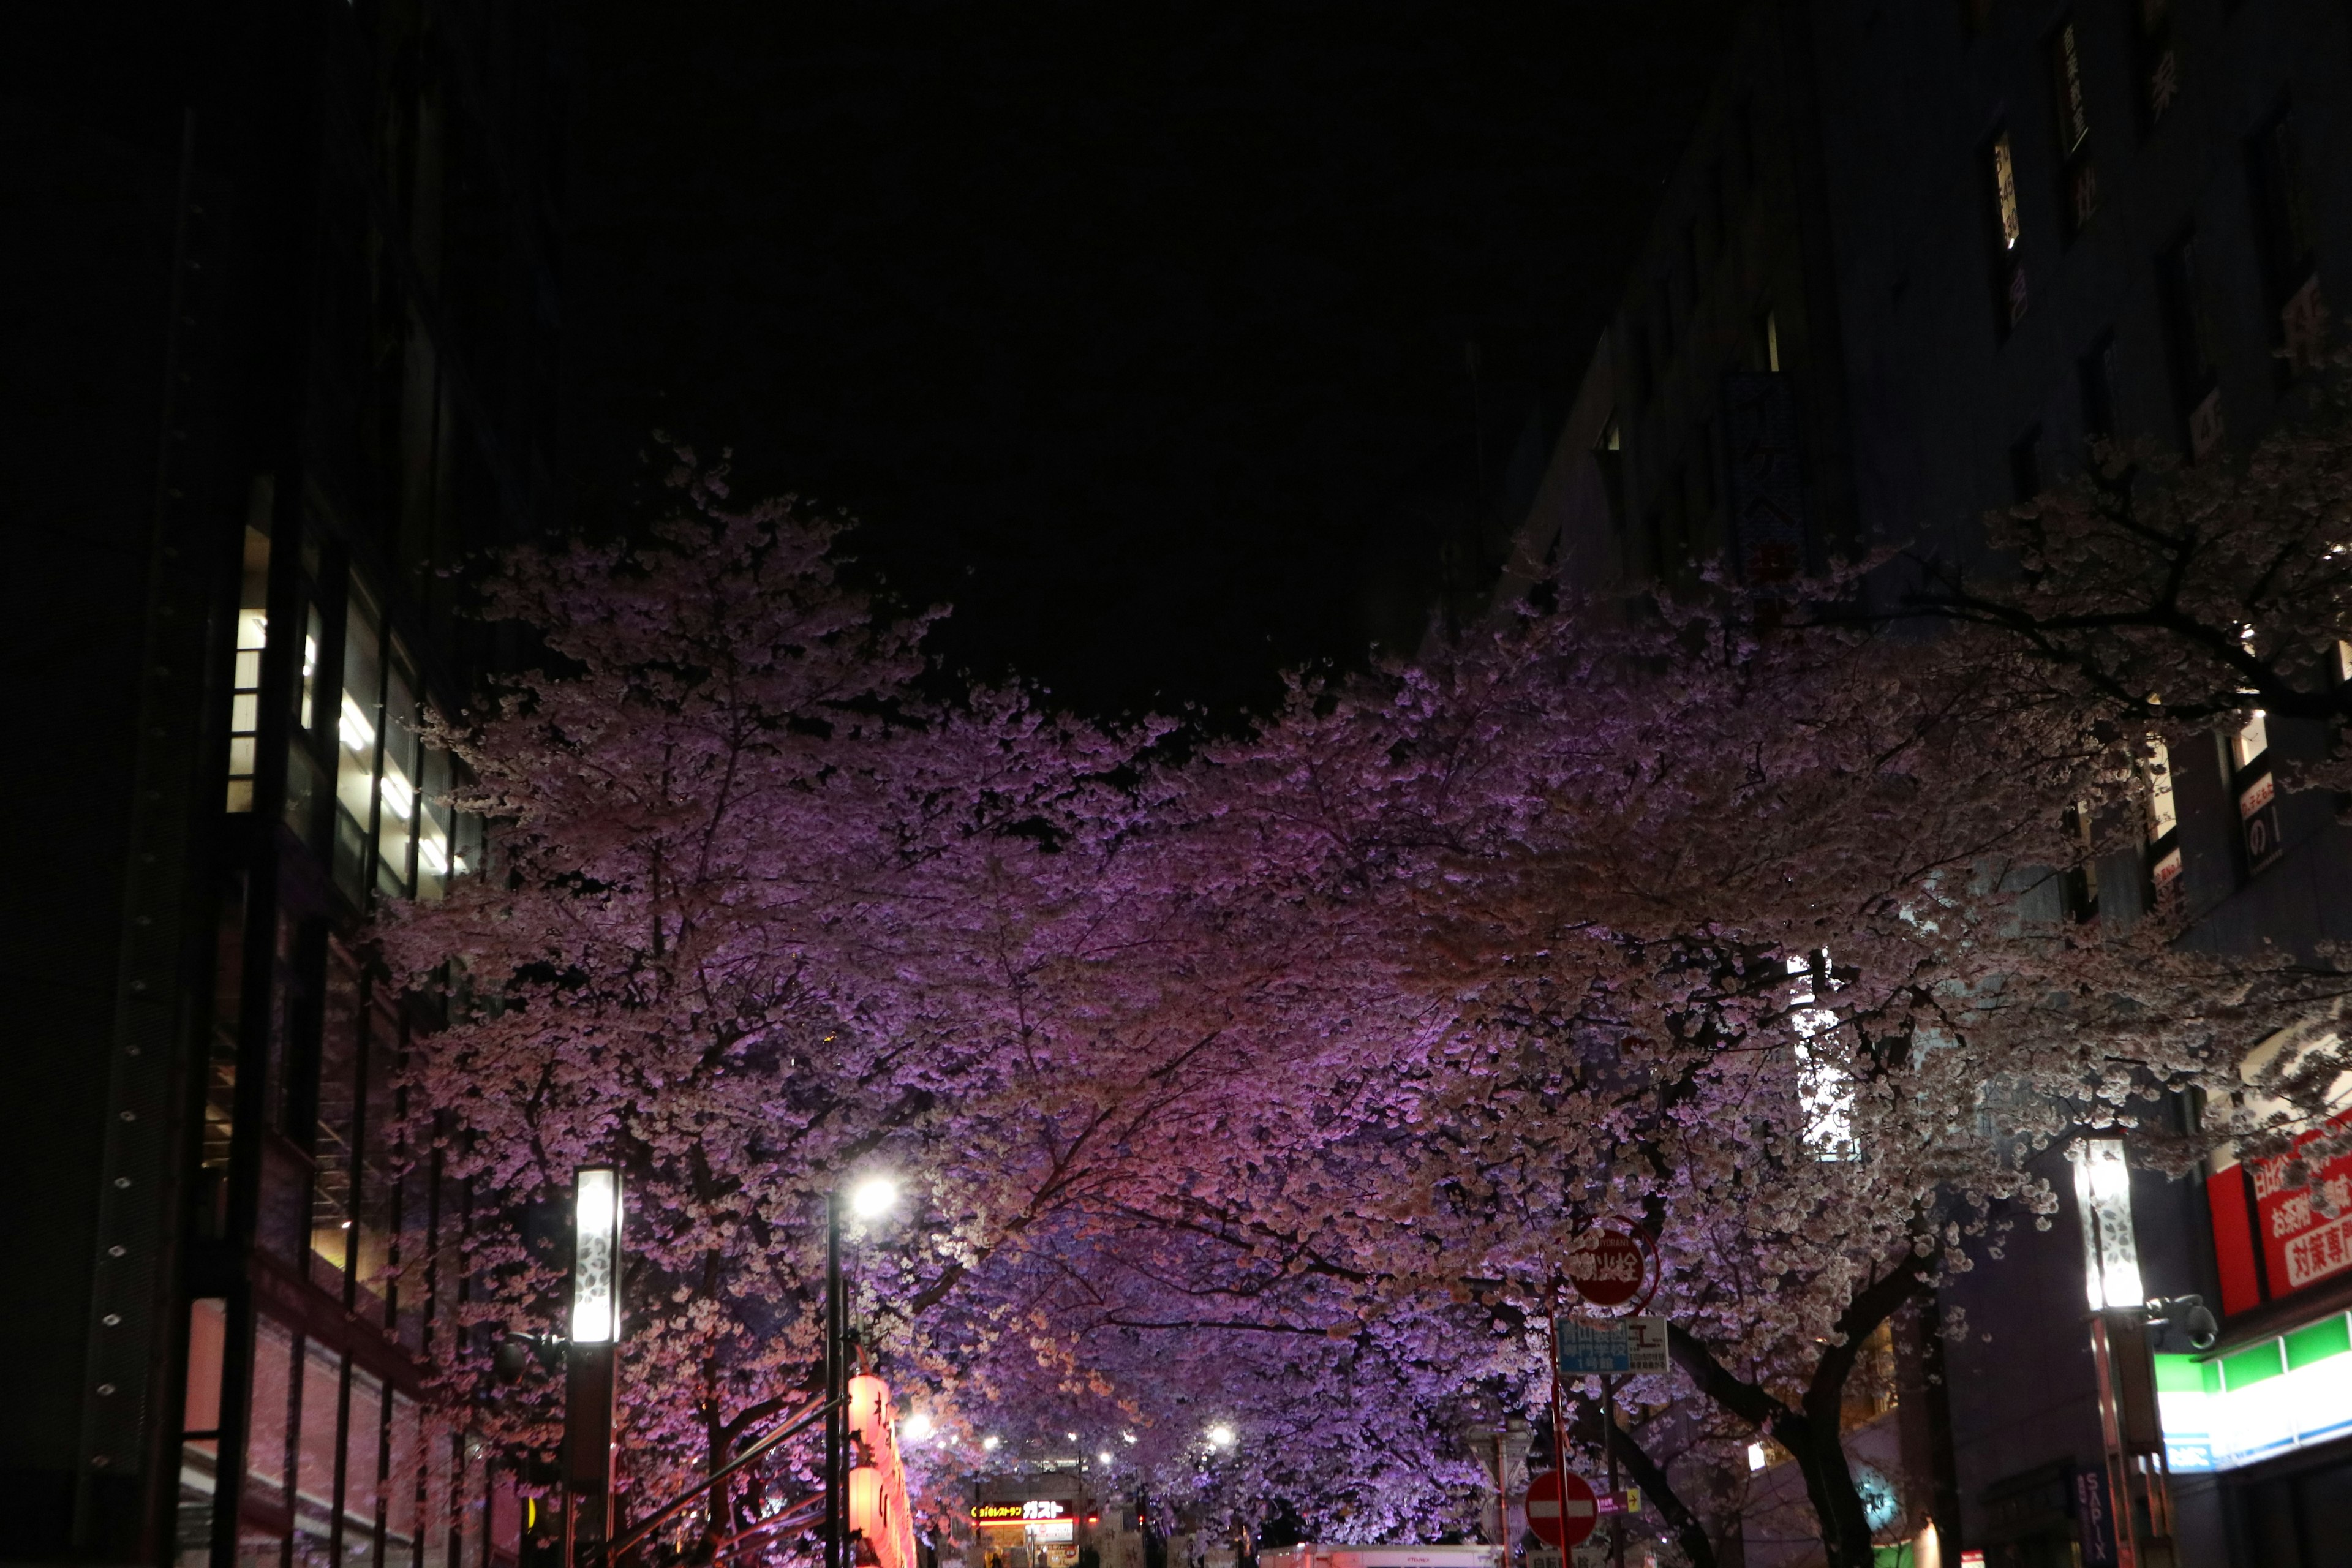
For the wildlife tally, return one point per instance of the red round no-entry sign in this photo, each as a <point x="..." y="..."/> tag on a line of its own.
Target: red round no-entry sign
<point x="1606" y="1267"/>
<point x="1561" y="1509"/>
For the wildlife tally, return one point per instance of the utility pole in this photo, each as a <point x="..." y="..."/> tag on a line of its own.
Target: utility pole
<point x="837" y="1382"/>
<point x="588" y="1365"/>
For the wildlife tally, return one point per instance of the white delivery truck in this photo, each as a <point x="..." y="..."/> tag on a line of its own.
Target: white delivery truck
<point x="1321" y="1555"/>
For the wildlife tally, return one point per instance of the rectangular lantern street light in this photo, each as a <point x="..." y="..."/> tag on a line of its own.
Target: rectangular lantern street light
<point x="596" y="1256"/>
<point x="588" y="1372"/>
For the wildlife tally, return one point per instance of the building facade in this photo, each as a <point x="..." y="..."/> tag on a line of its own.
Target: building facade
<point x="283" y="315"/>
<point x="1915" y="258"/>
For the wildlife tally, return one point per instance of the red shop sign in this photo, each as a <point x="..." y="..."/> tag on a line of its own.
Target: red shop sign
<point x="2299" y="1246"/>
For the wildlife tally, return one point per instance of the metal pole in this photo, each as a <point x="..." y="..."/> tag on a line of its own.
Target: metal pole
<point x="836" y="1378"/>
<point x="587" y="1453"/>
<point x="1616" y="1496"/>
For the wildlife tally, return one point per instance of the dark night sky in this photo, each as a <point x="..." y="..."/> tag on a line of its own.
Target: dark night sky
<point x="1135" y="332"/>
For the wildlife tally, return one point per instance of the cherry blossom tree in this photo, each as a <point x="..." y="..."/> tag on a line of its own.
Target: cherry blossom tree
<point x="1264" y="1079"/>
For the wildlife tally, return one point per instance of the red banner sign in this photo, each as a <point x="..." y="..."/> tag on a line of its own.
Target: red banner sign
<point x="2300" y="1246"/>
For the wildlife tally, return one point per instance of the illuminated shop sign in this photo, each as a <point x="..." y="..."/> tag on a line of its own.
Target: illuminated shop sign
<point x="1031" y="1511"/>
<point x="2270" y="1398"/>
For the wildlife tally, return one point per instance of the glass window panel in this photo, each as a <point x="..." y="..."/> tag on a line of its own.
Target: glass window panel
<point x="258" y="1546"/>
<point x="395" y="820"/>
<point x="305" y="782"/>
<point x="307" y="694"/>
<point x="440" y="1494"/>
<point x="363" y="1455"/>
<point x="433" y="825"/>
<point x="207" y="1344"/>
<point x="359" y="727"/>
<point x="331" y="1145"/>
<point x="315" y="1452"/>
<point x="413" y="1289"/>
<point x="209" y="1202"/>
<point x="404" y="1468"/>
<point x="506" y="1517"/>
<point x="200" y="1420"/>
<point x="252" y="636"/>
<point x="266" y="1418"/>
<point x="378" y="1186"/>
<point x="473" y="1504"/>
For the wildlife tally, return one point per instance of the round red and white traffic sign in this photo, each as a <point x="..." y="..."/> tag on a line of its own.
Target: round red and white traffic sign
<point x="1561" y="1509"/>
<point x="1606" y="1267"/>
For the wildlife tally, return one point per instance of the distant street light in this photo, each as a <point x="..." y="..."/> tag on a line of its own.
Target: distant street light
<point x="914" y="1426"/>
<point x="873" y="1196"/>
<point x="1103" y="1457"/>
<point x="1221" y="1435"/>
<point x="988" y="1445"/>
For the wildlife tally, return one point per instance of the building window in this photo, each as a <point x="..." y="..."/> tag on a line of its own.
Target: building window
<point x="362" y="1475"/>
<point x="2025" y="466"/>
<point x="200" y="1418"/>
<point x="2188" y="338"/>
<point x="244" y="682"/>
<point x="2006" y="232"/>
<point x="2160" y="62"/>
<point x="2078" y="181"/>
<point x="2081" y="891"/>
<point x="1702" y="473"/>
<point x="269" y="1433"/>
<point x="2164" y="862"/>
<point x="1768" y="342"/>
<point x="2255" y="791"/>
<point x="2096" y="373"/>
<point x="2283" y="226"/>
<point x="396" y="806"/>
<point x="403" y="1477"/>
<point x="359" y="731"/>
<point x="316" y="1449"/>
<point x="335" y="1132"/>
<point x="1609" y="456"/>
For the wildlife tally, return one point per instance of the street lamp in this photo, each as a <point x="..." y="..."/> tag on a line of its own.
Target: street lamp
<point x="871" y="1198"/>
<point x="1221" y="1435"/>
<point x="589" y="1381"/>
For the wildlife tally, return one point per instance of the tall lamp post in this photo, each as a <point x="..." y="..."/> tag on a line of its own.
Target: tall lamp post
<point x="588" y="1366"/>
<point x="870" y="1199"/>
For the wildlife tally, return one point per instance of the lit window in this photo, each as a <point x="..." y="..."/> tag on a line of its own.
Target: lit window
<point x="396" y="819"/>
<point x="2005" y="177"/>
<point x="2007" y="230"/>
<point x="245" y="682"/>
<point x="358" y="730"/>
<point x="2078" y="181"/>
